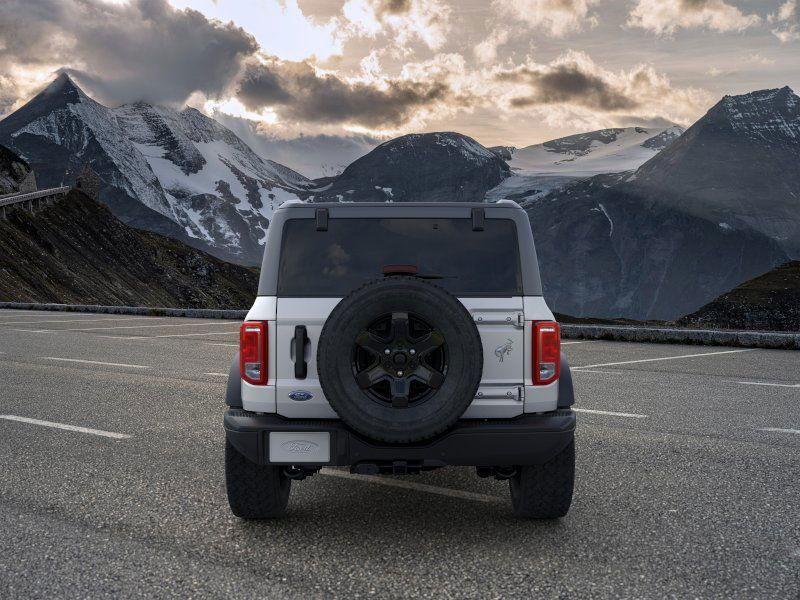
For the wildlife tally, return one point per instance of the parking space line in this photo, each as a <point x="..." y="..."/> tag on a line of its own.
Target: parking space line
<point x="644" y="360"/>
<point x="100" y="432"/>
<point x="78" y="320"/>
<point x="787" y="385"/>
<point x="192" y="334"/>
<point x="779" y="430"/>
<point x="217" y="374"/>
<point x="610" y="413"/>
<point x="410" y="485"/>
<point x="94" y="362"/>
<point x="598" y="371"/>
<point x="580" y="342"/>
<point x="221" y="344"/>
<point x="131" y="327"/>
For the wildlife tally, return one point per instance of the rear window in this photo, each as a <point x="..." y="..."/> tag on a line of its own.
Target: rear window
<point x="353" y="251"/>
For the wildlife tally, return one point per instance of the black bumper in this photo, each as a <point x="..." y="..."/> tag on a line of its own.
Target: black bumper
<point x="525" y="440"/>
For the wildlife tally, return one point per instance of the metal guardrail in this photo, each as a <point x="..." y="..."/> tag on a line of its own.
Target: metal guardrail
<point x="788" y="340"/>
<point x="197" y="313"/>
<point x="15" y="198"/>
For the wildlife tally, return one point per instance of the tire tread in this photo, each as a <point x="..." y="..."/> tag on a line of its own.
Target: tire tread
<point x="254" y="491"/>
<point x="545" y="491"/>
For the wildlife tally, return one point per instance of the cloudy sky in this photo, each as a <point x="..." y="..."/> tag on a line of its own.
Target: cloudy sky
<point x="503" y="71"/>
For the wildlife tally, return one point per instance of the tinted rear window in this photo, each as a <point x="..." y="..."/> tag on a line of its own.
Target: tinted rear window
<point x="353" y="251"/>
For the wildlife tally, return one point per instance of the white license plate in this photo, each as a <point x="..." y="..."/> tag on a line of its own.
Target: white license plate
<point x="299" y="447"/>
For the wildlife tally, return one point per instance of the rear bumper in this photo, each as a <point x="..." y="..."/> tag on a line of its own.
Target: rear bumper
<point x="525" y="440"/>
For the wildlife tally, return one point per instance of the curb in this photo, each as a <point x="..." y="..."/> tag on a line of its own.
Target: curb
<point x="667" y="335"/>
<point x="198" y="313"/>
<point x="659" y="335"/>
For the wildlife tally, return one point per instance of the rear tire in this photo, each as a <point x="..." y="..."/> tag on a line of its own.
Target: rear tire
<point x="254" y="491"/>
<point x="545" y="491"/>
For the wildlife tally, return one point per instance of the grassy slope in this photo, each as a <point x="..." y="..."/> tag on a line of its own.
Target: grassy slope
<point x="770" y="301"/>
<point x="76" y="251"/>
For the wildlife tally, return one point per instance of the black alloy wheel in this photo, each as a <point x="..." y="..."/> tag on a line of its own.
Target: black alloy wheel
<point x="400" y="359"/>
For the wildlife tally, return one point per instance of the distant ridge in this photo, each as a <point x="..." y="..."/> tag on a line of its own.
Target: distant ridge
<point x="76" y="252"/>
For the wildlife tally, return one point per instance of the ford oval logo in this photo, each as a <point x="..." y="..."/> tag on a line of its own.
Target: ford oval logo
<point x="299" y="446"/>
<point x="300" y="395"/>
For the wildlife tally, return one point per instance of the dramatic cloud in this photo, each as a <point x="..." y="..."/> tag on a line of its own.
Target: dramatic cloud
<point x="403" y="20"/>
<point x="144" y="49"/>
<point x="573" y="84"/>
<point x="664" y="17"/>
<point x="567" y="82"/>
<point x="280" y="27"/>
<point x="486" y="51"/>
<point x="787" y="22"/>
<point x="297" y="91"/>
<point x="557" y="17"/>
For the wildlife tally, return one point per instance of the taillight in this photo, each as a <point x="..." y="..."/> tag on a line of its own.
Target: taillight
<point x="253" y="352"/>
<point x="546" y="352"/>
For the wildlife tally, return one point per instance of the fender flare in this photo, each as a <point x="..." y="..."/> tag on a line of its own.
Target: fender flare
<point x="566" y="393"/>
<point x="233" y="395"/>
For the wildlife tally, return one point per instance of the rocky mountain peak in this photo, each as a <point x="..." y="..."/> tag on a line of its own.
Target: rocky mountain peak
<point x="426" y="167"/>
<point x="63" y="85"/>
<point x="762" y="114"/>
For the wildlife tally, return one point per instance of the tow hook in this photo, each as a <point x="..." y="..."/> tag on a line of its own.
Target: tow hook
<point x="299" y="473"/>
<point x="499" y="473"/>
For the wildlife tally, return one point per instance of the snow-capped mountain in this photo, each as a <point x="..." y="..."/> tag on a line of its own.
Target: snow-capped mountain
<point x="176" y="172"/>
<point x="541" y="168"/>
<point x="427" y="167"/>
<point x="718" y="206"/>
<point x="594" y="153"/>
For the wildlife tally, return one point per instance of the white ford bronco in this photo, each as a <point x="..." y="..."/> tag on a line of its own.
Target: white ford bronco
<point x="398" y="338"/>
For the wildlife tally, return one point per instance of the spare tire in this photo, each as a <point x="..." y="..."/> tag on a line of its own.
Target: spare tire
<point x="400" y="359"/>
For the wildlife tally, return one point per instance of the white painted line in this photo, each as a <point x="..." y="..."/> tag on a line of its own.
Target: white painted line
<point x="410" y="485"/>
<point x="6" y="313"/>
<point x="603" y="372"/>
<point x="779" y="430"/>
<point x="581" y="342"/>
<point x="787" y="385"/>
<point x="217" y="374"/>
<point x="100" y="432"/>
<point x="94" y="362"/>
<point x="221" y="344"/>
<point x="174" y="335"/>
<point x="134" y="327"/>
<point x="644" y="360"/>
<point x="76" y="320"/>
<point x="610" y="413"/>
<point x="192" y="334"/>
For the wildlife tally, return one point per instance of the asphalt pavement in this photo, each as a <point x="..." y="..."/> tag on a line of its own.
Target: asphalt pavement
<point x="111" y="484"/>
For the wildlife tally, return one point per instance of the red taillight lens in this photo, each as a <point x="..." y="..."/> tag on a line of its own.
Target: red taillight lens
<point x="546" y="352"/>
<point x="253" y="352"/>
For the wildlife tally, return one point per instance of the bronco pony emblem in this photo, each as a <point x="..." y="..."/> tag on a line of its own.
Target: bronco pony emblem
<point x="505" y="350"/>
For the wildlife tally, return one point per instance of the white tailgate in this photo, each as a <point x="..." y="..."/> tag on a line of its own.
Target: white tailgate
<point x="506" y="369"/>
<point x="311" y="312"/>
<point x="500" y="324"/>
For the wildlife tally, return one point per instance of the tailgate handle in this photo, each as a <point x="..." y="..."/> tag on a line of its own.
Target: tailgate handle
<point x="300" y="340"/>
